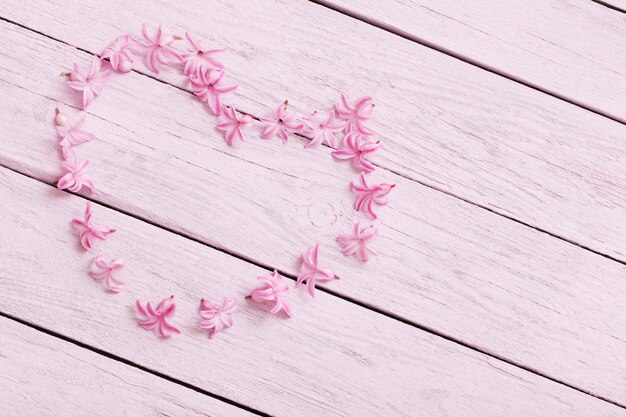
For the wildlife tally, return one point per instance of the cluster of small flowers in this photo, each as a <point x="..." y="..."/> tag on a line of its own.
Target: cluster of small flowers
<point x="351" y="120"/>
<point x="206" y="77"/>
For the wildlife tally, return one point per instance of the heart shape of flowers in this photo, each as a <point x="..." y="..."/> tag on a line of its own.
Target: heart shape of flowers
<point x="206" y="77"/>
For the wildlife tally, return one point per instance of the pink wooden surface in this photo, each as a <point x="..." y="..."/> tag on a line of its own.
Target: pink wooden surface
<point x="444" y="123"/>
<point x="332" y="358"/>
<point x="535" y="322"/>
<point x="467" y="246"/>
<point x="536" y="42"/>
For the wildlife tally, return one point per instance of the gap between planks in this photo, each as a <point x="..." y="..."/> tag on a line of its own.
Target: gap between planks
<point x="132" y="364"/>
<point x="609" y="5"/>
<point x="432" y="187"/>
<point x="243" y="258"/>
<point x="466" y="59"/>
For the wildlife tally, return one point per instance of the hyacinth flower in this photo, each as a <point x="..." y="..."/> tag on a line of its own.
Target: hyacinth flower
<point x="273" y="289"/>
<point x="75" y="178"/>
<point x="283" y="123"/>
<point x="370" y="196"/>
<point x="234" y="124"/>
<point x="200" y="59"/>
<point x="158" y="319"/>
<point x="356" y="115"/>
<point x="90" y="231"/>
<point x="159" y="48"/>
<point x="356" y="147"/>
<point x="216" y="317"/>
<point x="207" y="87"/>
<point x="357" y="242"/>
<point x="322" y="131"/>
<point x="100" y="270"/>
<point x="71" y="133"/>
<point x="311" y="272"/>
<point x="119" y="53"/>
<point x="90" y="84"/>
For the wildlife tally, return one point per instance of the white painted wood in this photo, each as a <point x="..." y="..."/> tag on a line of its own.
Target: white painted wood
<point x="45" y="376"/>
<point x="331" y="358"/>
<point x="444" y="264"/>
<point x="445" y="123"/>
<point x="572" y="48"/>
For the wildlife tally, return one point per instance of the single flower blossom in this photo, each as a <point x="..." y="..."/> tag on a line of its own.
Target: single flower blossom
<point x="357" y="242"/>
<point x="283" y="123"/>
<point x="100" y="270"/>
<point x="71" y="133"/>
<point x="216" y="317"/>
<point x="157" y="319"/>
<point x="207" y="87"/>
<point x="312" y="272"/>
<point x="273" y="289"/>
<point x="356" y="115"/>
<point x="370" y="196"/>
<point x="90" y="231"/>
<point x="159" y="49"/>
<point x="356" y="147"/>
<point x="119" y="53"/>
<point x="234" y="124"/>
<point x="91" y="83"/>
<point x="200" y="59"/>
<point x="320" y="132"/>
<point x="75" y="178"/>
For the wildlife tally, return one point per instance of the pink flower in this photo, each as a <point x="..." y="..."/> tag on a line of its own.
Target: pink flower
<point x="356" y="116"/>
<point x="157" y="319"/>
<point x="101" y="271"/>
<point x="91" y="84"/>
<point x="75" y="178"/>
<point x="312" y="272"/>
<point x="273" y="289"/>
<point x="370" y="196"/>
<point x="200" y="59"/>
<point x="356" y="147"/>
<point x="216" y="317"/>
<point x="233" y="126"/>
<point x="159" y="48"/>
<point x="206" y="86"/>
<point x="118" y="53"/>
<point x="70" y="132"/>
<point x="283" y="123"/>
<point x="90" y="231"/>
<point x="320" y="131"/>
<point x="357" y="242"/>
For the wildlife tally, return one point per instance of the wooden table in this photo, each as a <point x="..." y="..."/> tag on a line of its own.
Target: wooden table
<point x="500" y="284"/>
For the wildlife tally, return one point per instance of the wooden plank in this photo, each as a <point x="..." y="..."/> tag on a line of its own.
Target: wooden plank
<point x="308" y="365"/>
<point x="444" y="123"/>
<point x="45" y="376"/>
<point x="570" y="48"/>
<point x="443" y="264"/>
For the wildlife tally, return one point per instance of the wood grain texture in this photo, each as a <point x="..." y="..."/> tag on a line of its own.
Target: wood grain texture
<point x="443" y="264"/>
<point x="573" y="49"/>
<point x="331" y="358"/>
<point x="444" y="123"/>
<point x="45" y="376"/>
